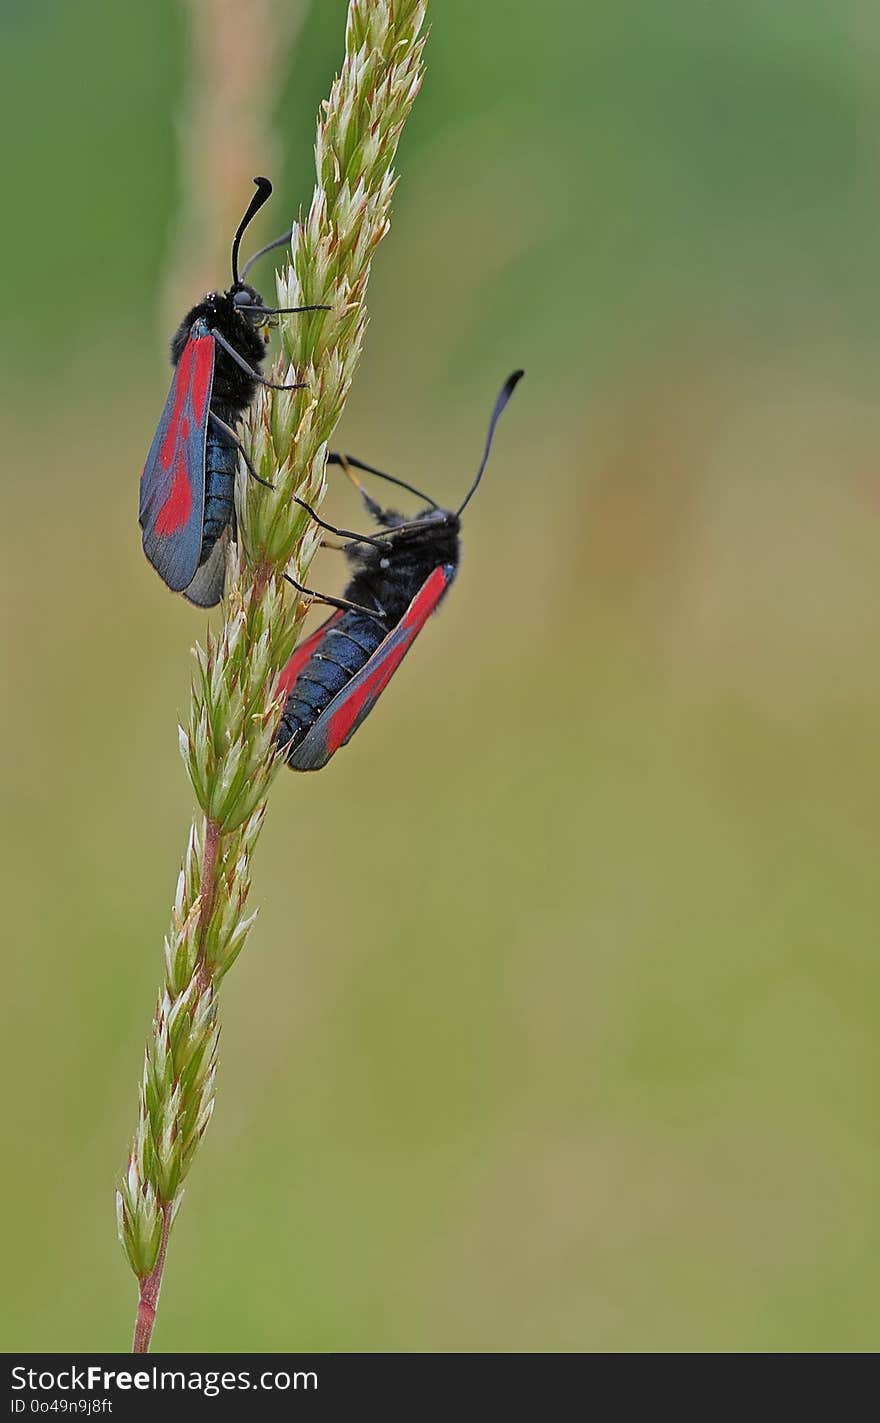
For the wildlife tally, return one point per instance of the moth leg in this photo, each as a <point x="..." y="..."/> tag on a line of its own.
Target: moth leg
<point x="340" y="533"/>
<point x="377" y="613"/>
<point x="255" y="375"/>
<point x="233" y="438"/>
<point x="348" y="463"/>
<point x="279" y="310"/>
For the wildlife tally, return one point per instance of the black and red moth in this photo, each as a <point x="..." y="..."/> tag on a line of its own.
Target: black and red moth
<point x="334" y="678"/>
<point x="187" y="506"/>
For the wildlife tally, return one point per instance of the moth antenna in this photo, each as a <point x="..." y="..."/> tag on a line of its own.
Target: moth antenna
<point x="504" y="395"/>
<point x="262" y="195"/>
<point x="348" y="463"/>
<point x="269" y="247"/>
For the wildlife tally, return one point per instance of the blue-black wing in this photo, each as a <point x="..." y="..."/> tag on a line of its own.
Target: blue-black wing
<point x="172" y="495"/>
<point x="339" y="721"/>
<point x="205" y="589"/>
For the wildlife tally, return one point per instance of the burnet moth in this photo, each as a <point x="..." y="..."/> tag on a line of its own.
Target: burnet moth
<point x="336" y="676"/>
<point x="187" y="506"/>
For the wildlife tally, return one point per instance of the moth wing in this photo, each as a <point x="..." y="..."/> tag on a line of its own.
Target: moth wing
<point x="206" y="587"/>
<point x="339" y="721"/>
<point x="172" y="492"/>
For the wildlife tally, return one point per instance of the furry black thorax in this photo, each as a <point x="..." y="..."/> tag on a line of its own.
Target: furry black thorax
<point x="391" y="576"/>
<point x="246" y="331"/>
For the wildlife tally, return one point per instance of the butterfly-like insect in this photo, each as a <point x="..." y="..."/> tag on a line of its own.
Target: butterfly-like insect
<point x="335" y="677"/>
<point x="187" y="505"/>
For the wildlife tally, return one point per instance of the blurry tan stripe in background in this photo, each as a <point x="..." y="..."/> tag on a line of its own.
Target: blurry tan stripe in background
<point x="239" y="53"/>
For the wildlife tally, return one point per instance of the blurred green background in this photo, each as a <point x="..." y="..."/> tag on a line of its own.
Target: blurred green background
<point x="558" y="1028"/>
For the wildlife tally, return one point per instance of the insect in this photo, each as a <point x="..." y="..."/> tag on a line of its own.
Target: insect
<point x="336" y="676"/>
<point x="187" y="508"/>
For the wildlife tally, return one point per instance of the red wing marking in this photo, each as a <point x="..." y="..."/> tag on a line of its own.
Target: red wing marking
<point x="181" y="386"/>
<point x="172" y="491"/>
<point x="341" y="722"/>
<point x="201" y="381"/>
<point x="178" y="506"/>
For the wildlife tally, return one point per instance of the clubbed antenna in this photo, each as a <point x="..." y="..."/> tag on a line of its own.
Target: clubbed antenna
<point x="282" y="241"/>
<point x="504" y="395"/>
<point x="261" y="196"/>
